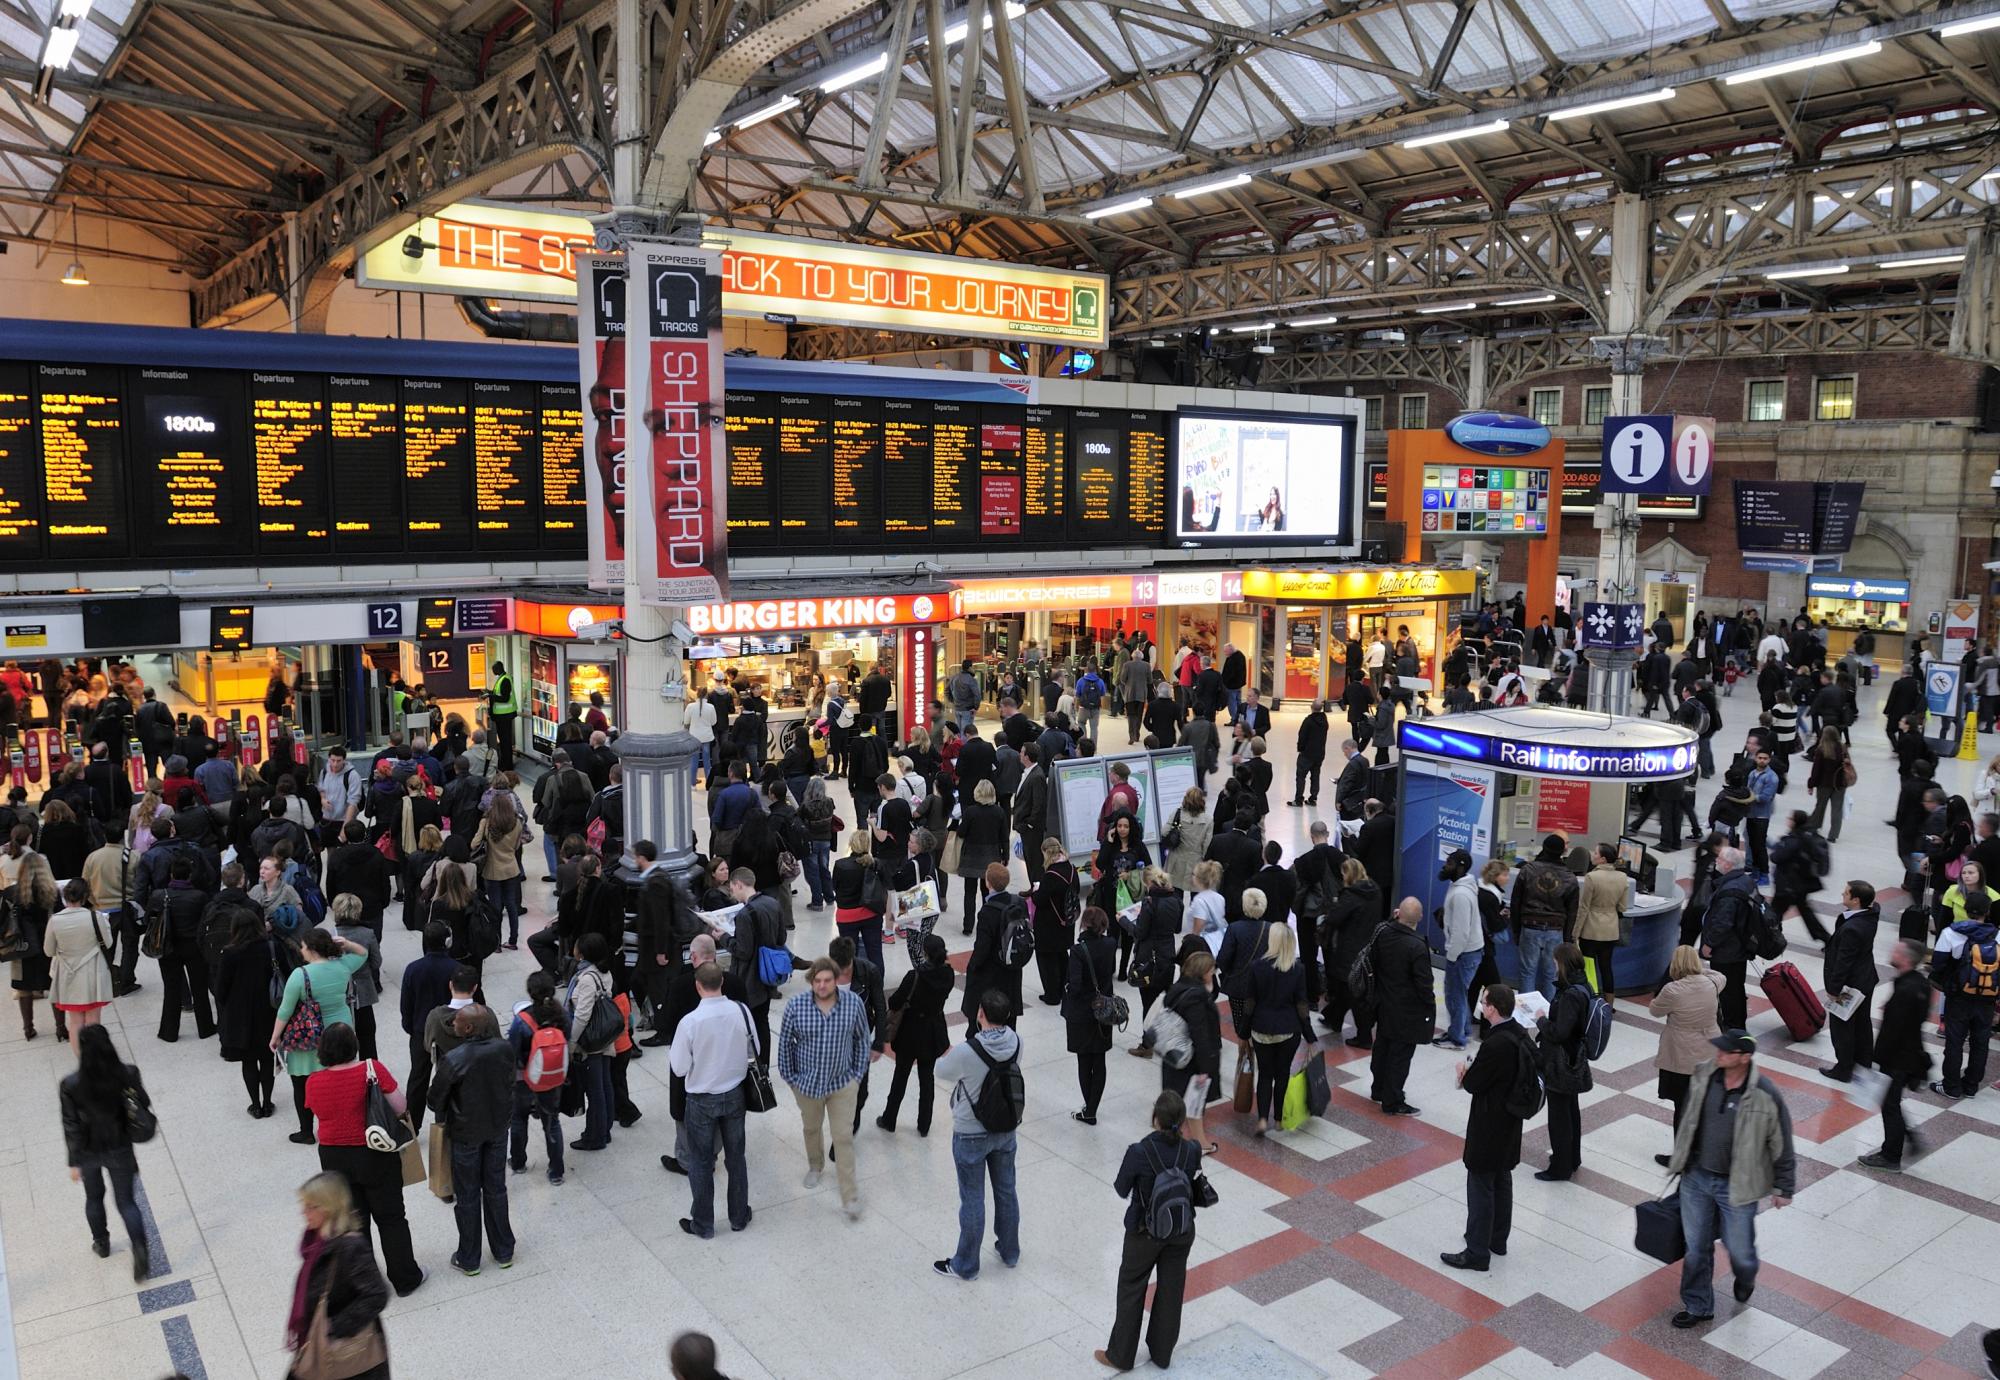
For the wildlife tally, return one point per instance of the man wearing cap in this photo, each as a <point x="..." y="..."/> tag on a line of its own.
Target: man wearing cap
<point x="1735" y="1149"/>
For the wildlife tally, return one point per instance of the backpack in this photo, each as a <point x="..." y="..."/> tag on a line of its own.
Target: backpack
<point x="1529" y="1094"/>
<point x="1169" y="1204"/>
<point x="1090" y="691"/>
<point x="287" y="922"/>
<point x="1017" y="941"/>
<point x="548" y="1057"/>
<point x="312" y="901"/>
<point x="1596" y="1028"/>
<point x="1981" y="970"/>
<point x="1003" y="1097"/>
<point x="844" y="716"/>
<point x="482" y="927"/>
<point x="1762" y="934"/>
<point x="153" y="942"/>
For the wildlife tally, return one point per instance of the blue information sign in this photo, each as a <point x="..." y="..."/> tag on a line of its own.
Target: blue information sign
<point x="1612" y="627"/>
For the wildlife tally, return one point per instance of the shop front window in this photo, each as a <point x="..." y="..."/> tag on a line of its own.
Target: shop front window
<point x="1302" y="654"/>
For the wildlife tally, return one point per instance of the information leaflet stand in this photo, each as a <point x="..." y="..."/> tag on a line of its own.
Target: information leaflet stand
<point x="1162" y="777"/>
<point x="1080" y="786"/>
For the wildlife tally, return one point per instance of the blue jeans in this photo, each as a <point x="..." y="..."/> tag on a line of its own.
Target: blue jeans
<point x="1704" y="1199"/>
<point x="1457" y="984"/>
<point x="595" y="1070"/>
<point x="479" y="1190"/>
<point x="506" y="898"/>
<point x="976" y="1156"/>
<point x="819" y="870"/>
<point x="710" y="1115"/>
<point x="1538" y="959"/>
<point x="543" y="1107"/>
<point x="1235" y="705"/>
<point x="702" y="760"/>
<point x="549" y="850"/>
<point x="963" y="718"/>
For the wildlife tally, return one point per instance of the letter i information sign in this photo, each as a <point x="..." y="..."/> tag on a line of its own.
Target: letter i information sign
<point x="1658" y="455"/>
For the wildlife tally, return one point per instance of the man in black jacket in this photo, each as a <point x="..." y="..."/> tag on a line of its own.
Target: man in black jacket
<point x="1275" y="881"/>
<point x="1493" y="1132"/>
<point x="682" y="998"/>
<point x="1375" y="845"/>
<point x="459" y="801"/>
<point x="864" y="979"/>
<point x="1253" y="715"/>
<point x="473" y="1096"/>
<point x="1017" y="728"/>
<point x="110" y="788"/>
<point x="1850" y="966"/>
<point x="176" y="912"/>
<point x="1405" y="1005"/>
<point x="357" y="868"/>
<point x="1031" y="811"/>
<point x="426" y="986"/>
<point x="154" y="866"/>
<point x="155" y="724"/>
<point x="867" y="760"/>
<point x="1725" y="934"/>
<point x="1209" y="694"/>
<point x="874" y="700"/>
<point x="1900" y="1052"/>
<point x="562" y="803"/>
<point x="1906" y="695"/>
<point x="976" y="763"/>
<point x="1799" y="863"/>
<point x="1311" y="755"/>
<point x="1235" y="675"/>
<point x="1351" y="788"/>
<point x="666" y="926"/>
<point x="1236" y="849"/>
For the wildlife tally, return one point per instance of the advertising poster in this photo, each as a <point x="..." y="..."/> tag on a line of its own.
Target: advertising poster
<point x="1565" y="806"/>
<point x="1941" y="689"/>
<point x="544" y="711"/>
<point x="1080" y="788"/>
<point x="1444" y="807"/>
<point x="1961" y="627"/>
<point x="600" y="334"/>
<point x="1263" y="477"/>
<point x="674" y="373"/>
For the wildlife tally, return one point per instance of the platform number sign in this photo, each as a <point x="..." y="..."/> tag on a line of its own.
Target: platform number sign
<point x="385" y="620"/>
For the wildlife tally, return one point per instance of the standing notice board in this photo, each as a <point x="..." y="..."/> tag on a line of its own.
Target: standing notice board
<point x="1140" y="764"/>
<point x="1081" y="786"/>
<point x="1174" y="776"/>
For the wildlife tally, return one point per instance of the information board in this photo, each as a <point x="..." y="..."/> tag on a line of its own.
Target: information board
<point x="1174" y="776"/>
<point x="1140" y="764"/>
<point x="1080" y="788"/>
<point x="232" y="629"/>
<point x="288" y="449"/>
<point x="506" y="464"/>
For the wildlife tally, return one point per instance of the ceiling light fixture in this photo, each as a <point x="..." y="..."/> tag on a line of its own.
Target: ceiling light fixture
<point x="1448" y="307"/>
<point x="1253" y="326"/>
<point x="1311" y="321"/>
<point x="74" y="276"/>
<point x="769" y="112"/>
<point x="956" y="33"/>
<point x="1927" y="261"/>
<point x="1970" y="26"/>
<point x="1779" y="69"/>
<point x="853" y="76"/>
<point x="1219" y="185"/>
<point x="1423" y="141"/>
<point x="1118" y="208"/>
<point x="1665" y="93"/>
<point x="1525" y="301"/>
<point x="1824" y="271"/>
<point x="60" y="48"/>
<point x="714" y="136"/>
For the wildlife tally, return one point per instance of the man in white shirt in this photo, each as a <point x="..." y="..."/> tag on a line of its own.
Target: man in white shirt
<point x="711" y="1049"/>
<point x="1773" y="645"/>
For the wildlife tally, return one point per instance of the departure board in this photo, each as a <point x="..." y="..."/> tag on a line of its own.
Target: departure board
<point x="364" y="427"/>
<point x="1146" y="476"/>
<point x="294" y="499"/>
<point x="20" y="466"/>
<point x="752" y="430"/>
<point x="1045" y="471"/>
<point x="561" y="434"/>
<point x="506" y="465"/>
<point x="954" y="470"/>
<point x="857" y="465"/>
<point x="81" y="409"/>
<point x="1000" y="474"/>
<point x="437" y="462"/>
<point x="1097" y="444"/>
<point x="906" y="469"/>
<point x="805" y="450"/>
<point x="191" y="472"/>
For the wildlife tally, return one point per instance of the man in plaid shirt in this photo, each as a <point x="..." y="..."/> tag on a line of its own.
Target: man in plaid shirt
<point x="822" y="1053"/>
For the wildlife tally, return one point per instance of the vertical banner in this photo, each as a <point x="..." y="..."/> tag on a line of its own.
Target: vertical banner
<point x="600" y="334"/>
<point x="1961" y="627"/>
<point x="916" y="680"/>
<point x="1445" y="806"/>
<point x="674" y="335"/>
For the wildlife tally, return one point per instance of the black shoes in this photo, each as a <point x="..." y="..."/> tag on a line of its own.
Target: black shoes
<point x="1744" y="1288"/>
<point x="1663" y="1160"/>
<point x="655" y="1041"/>
<point x="671" y="1165"/>
<point x="101" y="1249"/>
<point x="1837" y="1074"/>
<point x="1399" y="1109"/>
<point x="301" y="1138"/>
<point x="1685" y="1319"/>
<point x="142" y="1262"/>
<point x="1463" y="1260"/>
<point x="1549" y="1176"/>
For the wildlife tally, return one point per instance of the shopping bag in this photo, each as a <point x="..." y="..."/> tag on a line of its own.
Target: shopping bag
<point x="1243" y="1091"/>
<point x="440" y="1162"/>
<point x="412" y="1155"/>
<point x="1318" y="1092"/>
<point x="1294" y="1114"/>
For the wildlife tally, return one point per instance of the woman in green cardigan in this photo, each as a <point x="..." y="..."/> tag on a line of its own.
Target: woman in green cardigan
<point x="330" y="963"/>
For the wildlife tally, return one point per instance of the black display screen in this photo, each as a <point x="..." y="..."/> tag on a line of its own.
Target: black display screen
<point x="1097" y="500"/>
<point x="232" y="629"/>
<point x="506" y="465"/>
<point x="954" y="471"/>
<point x="906" y="470"/>
<point x="805" y="457"/>
<point x="81" y="409"/>
<point x="193" y="474"/>
<point x="365" y="446"/>
<point x="288" y="455"/>
<point x="563" y="502"/>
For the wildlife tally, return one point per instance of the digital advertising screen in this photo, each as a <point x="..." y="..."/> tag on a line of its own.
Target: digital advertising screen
<point x="1264" y="478"/>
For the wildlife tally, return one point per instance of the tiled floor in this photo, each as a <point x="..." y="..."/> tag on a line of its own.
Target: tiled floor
<point x="1320" y="1261"/>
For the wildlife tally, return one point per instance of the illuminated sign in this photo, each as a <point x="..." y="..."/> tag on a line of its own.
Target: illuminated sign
<point x="1548" y="759"/>
<point x="806" y="615"/>
<point x="1856" y="587"/>
<point x="472" y="248"/>
<point x="1496" y="433"/>
<point x="437" y="618"/>
<point x="561" y="620"/>
<point x="231" y="629"/>
<point x="917" y="680"/>
<point x="1484" y="499"/>
<point x="1339" y="586"/>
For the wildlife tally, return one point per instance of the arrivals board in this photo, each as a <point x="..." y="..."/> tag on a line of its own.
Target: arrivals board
<point x="818" y="471"/>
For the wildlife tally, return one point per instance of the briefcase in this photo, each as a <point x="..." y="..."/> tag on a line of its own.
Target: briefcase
<point x="1659" y="1229"/>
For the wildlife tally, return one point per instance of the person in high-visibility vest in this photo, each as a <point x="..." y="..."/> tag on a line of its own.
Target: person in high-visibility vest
<point x="505" y="710"/>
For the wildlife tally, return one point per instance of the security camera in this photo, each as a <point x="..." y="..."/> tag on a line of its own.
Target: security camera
<point x="1994" y="482"/>
<point x="598" y="631"/>
<point x="683" y="634"/>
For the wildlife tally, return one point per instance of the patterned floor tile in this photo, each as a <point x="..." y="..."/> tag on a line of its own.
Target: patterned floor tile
<point x="1558" y="1334"/>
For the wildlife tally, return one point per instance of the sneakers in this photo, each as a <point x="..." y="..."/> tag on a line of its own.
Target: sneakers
<point x="853" y="1210"/>
<point x="467" y="1270"/>
<point x="943" y="1267"/>
<point x="812" y="1178"/>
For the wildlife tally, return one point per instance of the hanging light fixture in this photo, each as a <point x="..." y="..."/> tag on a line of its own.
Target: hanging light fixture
<point x="74" y="276"/>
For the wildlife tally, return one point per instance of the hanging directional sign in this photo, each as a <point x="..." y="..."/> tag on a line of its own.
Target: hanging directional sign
<point x="1658" y="455"/>
<point x="1612" y="627"/>
<point x="1694" y="455"/>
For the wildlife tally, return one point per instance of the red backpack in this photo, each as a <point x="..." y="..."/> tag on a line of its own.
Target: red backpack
<point x="548" y="1056"/>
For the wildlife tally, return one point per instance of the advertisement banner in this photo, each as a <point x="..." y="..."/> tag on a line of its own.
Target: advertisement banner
<point x="1563" y="806"/>
<point x="1961" y="626"/>
<point x="1941" y="689"/>
<point x="600" y="335"/>
<point x="1444" y="807"/>
<point x="545" y="707"/>
<point x="674" y="382"/>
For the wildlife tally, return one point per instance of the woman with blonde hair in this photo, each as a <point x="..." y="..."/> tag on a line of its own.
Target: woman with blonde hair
<point x="338" y="1297"/>
<point x="856" y="912"/>
<point x="1688" y="1002"/>
<point x="1278" y="1017"/>
<point x="1207" y="912"/>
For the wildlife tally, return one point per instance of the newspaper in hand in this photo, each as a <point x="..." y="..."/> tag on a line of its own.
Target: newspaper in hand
<point x="1850" y="1001"/>
<point x="723" y="920"/>
<point x="1530" y="1009"/>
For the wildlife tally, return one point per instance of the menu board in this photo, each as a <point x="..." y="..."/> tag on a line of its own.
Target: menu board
<point x="906" y="469"/>
<point x="20" y="487"/>
<point x="1096" y="450"/>
<point x="954" y="470"/>
<point x="805" y="449"/>
<point x="188" y="444"/>
<point x="437" y="461"/>
<point x="81" y="410"/>
<point x="364" y="422"/>
<point x="561" y="434"/>
<point x="751" y="427"/>
<point x="293" y="495"/>
<point x="506" y="468"/>
<point x="857" y="464"/>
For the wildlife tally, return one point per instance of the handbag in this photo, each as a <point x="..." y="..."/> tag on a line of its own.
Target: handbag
<point x="1319" y="1093"/>
<point x="15" y="942"/>
<point x="412" y="1156"/>
<point x="951" y="854"/>
<point x="142" y="1123"/>
<point x="1243" y="1090"/>
<point x="386" y="1132"/>
<point x="1106" y="1008"/>
<point x="1658" y="1233"/>
<point x="758" y="1095"/>
<point x="1170" y="838"/>
<point x="1204" y="1192"/>
<point x="324" y="1356"/>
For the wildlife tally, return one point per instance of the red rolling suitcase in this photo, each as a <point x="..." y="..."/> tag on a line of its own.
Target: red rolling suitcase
<point x="1794" y="999"/>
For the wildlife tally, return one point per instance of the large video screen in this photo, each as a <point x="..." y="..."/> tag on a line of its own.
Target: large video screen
<point x="1270" y="478"/>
